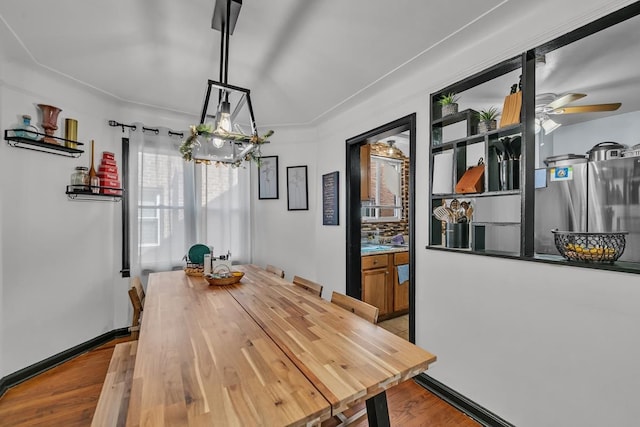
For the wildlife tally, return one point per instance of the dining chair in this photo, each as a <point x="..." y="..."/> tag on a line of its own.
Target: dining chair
<point x="360" y="308"/>
<point x="137" y="297"/>
<point x="275" y="270"/>
<point x="308" y="285"/>
<point x="368" y="312"/>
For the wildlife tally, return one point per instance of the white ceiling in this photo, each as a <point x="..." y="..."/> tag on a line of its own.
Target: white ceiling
<point x="302" y="60"/>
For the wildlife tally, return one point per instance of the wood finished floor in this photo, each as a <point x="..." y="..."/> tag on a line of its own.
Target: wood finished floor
<point x="398" y="326"/>
<point x="67" y="396"/>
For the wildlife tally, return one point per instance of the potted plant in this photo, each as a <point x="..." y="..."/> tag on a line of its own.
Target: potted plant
<point x="487" y="119"/>
<point x="449" y="103"/>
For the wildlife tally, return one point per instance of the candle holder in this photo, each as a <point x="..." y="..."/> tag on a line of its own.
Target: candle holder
<point x="49" y="122"/>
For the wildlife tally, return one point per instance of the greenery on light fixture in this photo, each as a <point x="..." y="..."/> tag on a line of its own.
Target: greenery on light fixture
<point x="207" y="132"/>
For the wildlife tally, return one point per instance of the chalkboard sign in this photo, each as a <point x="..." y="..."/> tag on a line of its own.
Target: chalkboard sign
<point x="330" y="212"/>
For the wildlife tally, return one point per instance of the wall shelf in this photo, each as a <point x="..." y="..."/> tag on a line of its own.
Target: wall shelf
<point x="38" y="145"/>
<point x="474" y="195"/>
<point x="84" y="193"/>
<point x="456" y="145"/>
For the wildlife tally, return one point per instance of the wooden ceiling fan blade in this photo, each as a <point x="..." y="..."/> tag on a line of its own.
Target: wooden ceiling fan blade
<point x="587" y="108"/>
<point x="564" y="100"/>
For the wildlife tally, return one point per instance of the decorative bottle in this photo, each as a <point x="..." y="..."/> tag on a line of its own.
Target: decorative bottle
<point x="27" y="130"/>
<point x="80" y="179"/>
<point x="94" y="180"/>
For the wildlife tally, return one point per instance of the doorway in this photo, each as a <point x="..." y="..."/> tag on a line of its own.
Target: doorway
<point x="403" y="127"/>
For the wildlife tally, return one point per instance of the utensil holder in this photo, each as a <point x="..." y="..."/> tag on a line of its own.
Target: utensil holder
<point x="510" y="174"/>
<point x="456" y="235"/>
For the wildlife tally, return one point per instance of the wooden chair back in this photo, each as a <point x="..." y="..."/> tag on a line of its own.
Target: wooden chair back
<point x="136" y="296"/>
<point x="137" y="284"/>
<point x="360" y="308"/>
<point x="275" y="270"/>
<point x="308" y="285"/>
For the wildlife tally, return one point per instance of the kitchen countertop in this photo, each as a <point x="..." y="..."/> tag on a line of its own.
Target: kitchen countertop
<point x="378" y="249"/>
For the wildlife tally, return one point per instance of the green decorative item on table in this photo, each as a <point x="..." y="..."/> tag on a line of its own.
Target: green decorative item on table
<point x="197" y="253"/>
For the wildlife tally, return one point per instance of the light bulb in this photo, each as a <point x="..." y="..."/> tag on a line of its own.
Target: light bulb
<point x="223" y="122"/>
<point x="218" y="143"/>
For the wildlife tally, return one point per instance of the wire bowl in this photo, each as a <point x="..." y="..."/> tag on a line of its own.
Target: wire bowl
<point x="194" y="269"/>
<point x="221" y="277"/>
<point x="597" y="248"/>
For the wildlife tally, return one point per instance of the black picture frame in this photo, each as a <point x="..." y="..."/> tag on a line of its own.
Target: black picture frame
<point x="297" y="188"/>
<point x="330" y="198"/>
<point x="268" y="184"/>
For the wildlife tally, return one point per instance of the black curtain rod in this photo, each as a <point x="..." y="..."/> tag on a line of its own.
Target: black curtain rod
<point x="113" y="123"/>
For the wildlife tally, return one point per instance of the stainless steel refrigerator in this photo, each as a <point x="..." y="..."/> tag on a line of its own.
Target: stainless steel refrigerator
<point x="597" y="196"/>
<point x="614" y="201"/>
<point x="560" y="200"/>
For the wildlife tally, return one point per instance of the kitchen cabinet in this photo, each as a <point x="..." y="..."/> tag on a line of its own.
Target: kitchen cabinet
<point x="400" y="290"/>
<point x="365" y="172"/>
<point x="375" y="288"/>
<point x="379" y="283"/>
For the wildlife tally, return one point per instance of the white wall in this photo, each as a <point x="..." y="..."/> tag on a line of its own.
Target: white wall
<point x="58" y="262"/>
<point x="286" y="238"/>
<point x="538" y="344"/>
<point x="578" y="139"/>
<point x="60" y="283"/>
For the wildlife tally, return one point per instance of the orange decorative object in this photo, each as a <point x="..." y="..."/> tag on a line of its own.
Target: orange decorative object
<point x="472" y="181"/>
<point x="49" y="121"/>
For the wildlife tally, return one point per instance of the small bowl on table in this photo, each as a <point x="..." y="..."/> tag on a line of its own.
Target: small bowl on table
<point x="222" y="275"/>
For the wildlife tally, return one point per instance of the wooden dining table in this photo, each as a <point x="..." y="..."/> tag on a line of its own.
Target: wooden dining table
<point x="259" y="353"/>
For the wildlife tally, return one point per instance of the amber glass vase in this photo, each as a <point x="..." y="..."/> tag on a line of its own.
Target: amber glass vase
<point x="93" y="175"/>
<point x="49" y="121"/>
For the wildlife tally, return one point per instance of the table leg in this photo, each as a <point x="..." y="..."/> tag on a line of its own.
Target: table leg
<point x="377" y="410"/>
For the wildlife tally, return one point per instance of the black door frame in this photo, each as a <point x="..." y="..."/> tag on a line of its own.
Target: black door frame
<point x="354" y="214"/>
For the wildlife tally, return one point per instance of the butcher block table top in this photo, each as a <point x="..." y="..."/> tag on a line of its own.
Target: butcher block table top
<point x="261" y="352"/>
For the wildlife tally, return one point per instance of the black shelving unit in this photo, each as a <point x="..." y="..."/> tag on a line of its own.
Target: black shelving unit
<point x="85" y="193"/>
<point x="458" y="148"/>
<point x="36" y="144"/>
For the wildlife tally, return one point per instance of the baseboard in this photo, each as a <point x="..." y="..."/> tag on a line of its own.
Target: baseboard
<point x="469" y="407"/>
<point x="39" y="367"/>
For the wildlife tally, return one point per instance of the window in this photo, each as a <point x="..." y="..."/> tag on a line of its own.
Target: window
<point x="176" y="204"/>
<point x="149" y="218"/>
<point x="385" y="190"/>
<point x="161" y="209"/>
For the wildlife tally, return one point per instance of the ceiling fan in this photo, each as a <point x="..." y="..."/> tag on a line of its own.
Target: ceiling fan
<point x="550" y="103"/>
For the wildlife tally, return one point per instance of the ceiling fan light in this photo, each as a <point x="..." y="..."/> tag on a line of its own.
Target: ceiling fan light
<point x="549" y="126"/>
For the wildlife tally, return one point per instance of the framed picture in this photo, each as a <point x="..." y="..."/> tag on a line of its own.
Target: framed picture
<point x="330" y="205"/>
<point x="268" y="178"/>
<point x="297" y="196"/>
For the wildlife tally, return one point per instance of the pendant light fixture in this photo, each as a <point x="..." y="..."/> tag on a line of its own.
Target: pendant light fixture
<point x="220" y="138"/>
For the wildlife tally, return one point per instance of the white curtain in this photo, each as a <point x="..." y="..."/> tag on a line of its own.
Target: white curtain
<point x="176" y="204"/>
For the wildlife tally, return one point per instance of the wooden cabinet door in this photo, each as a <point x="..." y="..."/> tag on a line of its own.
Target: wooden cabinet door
<point x="400" y="293"/>
<point x="374" y="288"/>
<point x="365" y="174"/>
